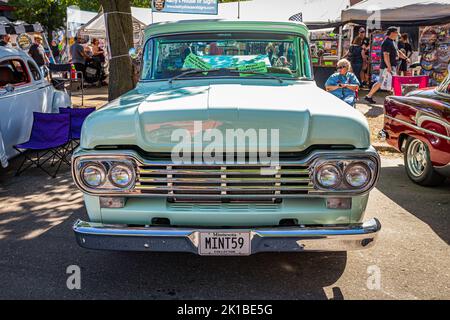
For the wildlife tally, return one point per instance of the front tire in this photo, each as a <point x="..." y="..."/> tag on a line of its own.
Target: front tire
<point x="418" y="164"/>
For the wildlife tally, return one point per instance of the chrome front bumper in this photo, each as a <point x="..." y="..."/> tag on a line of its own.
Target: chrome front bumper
<point x="282" y="239"/>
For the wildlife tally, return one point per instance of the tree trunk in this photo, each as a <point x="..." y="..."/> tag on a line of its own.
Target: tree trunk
<point x="120" y="31"/>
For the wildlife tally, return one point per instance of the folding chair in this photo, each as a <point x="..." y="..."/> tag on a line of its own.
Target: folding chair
<point x="77" y="117"/>
<point x="63" y="71"/>
<point x="49" y="138"/>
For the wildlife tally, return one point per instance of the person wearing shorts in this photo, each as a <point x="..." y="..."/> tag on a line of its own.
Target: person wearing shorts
<point x="389" y="54"/>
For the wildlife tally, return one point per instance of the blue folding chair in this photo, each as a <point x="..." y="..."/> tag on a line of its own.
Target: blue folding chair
<point x="50" y="135"/>
<point x="77" y="118"/>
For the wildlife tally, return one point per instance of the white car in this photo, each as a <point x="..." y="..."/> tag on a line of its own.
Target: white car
<point x="23" y="90"/>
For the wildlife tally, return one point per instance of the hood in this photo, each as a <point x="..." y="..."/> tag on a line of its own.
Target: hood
<point x="291" y="116"/>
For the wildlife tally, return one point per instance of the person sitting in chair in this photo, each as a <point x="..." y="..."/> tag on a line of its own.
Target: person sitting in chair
<point x="343" y="84"/>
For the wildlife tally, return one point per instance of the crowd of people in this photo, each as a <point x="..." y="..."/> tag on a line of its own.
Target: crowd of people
<point x="353" y="70"/>
<point x="393" y="59"/>
<point x="79" y="54"/>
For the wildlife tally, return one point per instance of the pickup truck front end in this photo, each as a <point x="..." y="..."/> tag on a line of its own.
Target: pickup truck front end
<point x="314" y="204"/>
<point x="201" y="81"/>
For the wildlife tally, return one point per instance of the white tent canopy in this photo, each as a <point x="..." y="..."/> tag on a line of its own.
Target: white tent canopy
<point x="399" y="12"/>
<point x="76" y="18"/>
<point x="96" y="26"/>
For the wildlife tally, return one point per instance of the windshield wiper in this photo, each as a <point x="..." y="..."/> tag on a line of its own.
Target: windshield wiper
<point x="193" y="71"/>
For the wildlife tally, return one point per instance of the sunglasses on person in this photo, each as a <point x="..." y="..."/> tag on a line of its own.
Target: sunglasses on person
<point x="341" y="67"/>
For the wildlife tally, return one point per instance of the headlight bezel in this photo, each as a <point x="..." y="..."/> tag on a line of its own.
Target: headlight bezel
<point x="107" y="164"/>
<point x="344" y="164"/>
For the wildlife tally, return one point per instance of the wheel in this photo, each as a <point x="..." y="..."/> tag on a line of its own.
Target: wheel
<point x="418" y="164"/>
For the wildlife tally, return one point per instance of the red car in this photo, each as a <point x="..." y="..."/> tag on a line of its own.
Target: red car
<point x="418" y="124"/>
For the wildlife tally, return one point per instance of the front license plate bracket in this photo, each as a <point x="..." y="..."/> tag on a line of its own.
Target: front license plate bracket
<point x="224" y="244"/>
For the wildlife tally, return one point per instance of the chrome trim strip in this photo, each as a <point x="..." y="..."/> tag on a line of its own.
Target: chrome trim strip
<point x="421" y="118"/>
<point x="227" y="189"/>
<point x="419" y="128"/>
<point x="334" y="238"/>
<point x="228" y="180"/>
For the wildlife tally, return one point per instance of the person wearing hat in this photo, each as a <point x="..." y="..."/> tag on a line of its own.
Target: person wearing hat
<point x="37" y="52"/>
<point x="389" y="58"/>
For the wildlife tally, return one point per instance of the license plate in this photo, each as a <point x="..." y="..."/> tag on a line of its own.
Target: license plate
<point x="225" y="244"/>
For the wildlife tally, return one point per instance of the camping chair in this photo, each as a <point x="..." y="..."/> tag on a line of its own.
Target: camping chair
<point x="60" y="75"/>
<point x="77" y="117"/>
<point x="49" y="137"/>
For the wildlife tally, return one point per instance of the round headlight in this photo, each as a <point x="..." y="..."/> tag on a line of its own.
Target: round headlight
<point x="357" y="175"/>
<point x="121" y="176"/>
<point x="329" y="176"/>
<point x="93" y="175"/>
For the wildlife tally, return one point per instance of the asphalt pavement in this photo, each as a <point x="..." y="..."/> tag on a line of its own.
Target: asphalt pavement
<point x="410" y="261"/>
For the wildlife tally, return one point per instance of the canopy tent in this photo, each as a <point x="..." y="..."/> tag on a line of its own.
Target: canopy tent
<point x="399" y="12"/>
<point x="77" y="18"/>
<point x="96" y="26"/>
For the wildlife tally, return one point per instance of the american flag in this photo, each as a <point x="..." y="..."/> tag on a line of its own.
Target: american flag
<point x="297" y="17"/>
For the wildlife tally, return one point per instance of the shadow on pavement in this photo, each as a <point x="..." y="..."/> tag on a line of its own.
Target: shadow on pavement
<point x="431" y="205"/>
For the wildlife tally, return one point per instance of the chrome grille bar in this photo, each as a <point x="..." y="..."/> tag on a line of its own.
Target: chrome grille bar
<point x="215" y="183"/>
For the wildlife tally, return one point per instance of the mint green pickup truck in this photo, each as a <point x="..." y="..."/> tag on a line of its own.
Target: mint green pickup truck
<point x="226" y="147"/>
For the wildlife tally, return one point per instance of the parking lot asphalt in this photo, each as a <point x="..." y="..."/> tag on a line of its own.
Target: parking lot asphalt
<point x="410" y="261"/>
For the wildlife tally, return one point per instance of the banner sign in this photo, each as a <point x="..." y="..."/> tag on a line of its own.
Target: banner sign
<point x="186" y="6"/>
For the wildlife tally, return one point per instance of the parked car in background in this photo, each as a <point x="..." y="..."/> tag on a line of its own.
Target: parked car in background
<point x="215" y="77"/>
<point x="23" y="90"/>
<point x="418" y="124"/>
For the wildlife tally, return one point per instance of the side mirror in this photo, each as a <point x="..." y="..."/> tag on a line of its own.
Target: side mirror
<point x="133" y="53"/>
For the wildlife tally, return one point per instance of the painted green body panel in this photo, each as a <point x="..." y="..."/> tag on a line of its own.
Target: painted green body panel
<point x="304" y="114"/>
<point x="141" y="211"/>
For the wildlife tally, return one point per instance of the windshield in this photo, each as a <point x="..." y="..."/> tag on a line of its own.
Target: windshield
<point x="254" y="55"/>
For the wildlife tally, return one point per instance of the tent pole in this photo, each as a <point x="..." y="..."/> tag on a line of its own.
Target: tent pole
<point x="340" y="42"/>
<point x="239" y="9"/>
<point x="107" y="35"/>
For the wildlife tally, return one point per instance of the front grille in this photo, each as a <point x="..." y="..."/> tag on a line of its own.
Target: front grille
<point x="223" y="183"/>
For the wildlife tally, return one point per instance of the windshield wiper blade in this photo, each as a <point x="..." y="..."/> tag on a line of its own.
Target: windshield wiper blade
<point x="193" y="71"/>
<point x="259" y="73"/>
